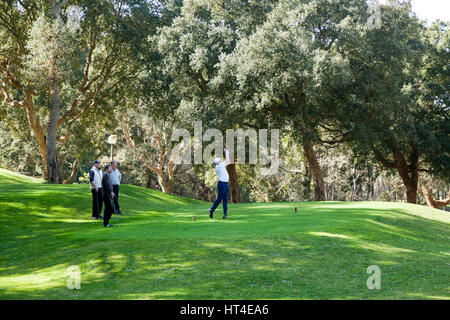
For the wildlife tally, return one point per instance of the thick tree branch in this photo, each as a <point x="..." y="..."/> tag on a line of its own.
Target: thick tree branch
<point x="427" y="193"/>
<point x="74" y="173"/>
<point x="8" y="99"/>
<point x="92" y="45"/>
<point x="383" y="160"/>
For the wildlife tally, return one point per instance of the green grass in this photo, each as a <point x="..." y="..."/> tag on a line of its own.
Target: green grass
<point x="264" y="251"/>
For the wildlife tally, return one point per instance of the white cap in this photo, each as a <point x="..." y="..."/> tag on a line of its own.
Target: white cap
<point x="217" y="160"/>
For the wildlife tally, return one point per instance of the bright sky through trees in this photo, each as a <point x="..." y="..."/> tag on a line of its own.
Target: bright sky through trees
<point x="429" y="9"/>
<point x="432" y="9"/>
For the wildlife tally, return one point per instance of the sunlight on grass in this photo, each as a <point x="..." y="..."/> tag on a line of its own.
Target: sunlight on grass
<point x="44" y="279"/>
<point x="422" y="296"/>
<point x="175" y="293"/>
<point x="383" y="248"/>
<point x="331" y="235"/>
<point x="16" y="177"/>
<point x="246" y="252"/>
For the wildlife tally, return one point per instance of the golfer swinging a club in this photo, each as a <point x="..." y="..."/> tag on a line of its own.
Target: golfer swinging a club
<point x="222" y="185"/>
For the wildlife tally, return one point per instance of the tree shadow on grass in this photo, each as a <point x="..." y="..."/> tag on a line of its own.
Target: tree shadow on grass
<point x="294" y="267"/>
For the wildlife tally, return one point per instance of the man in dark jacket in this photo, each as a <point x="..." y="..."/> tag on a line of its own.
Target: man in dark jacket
<point x="107" y="196"/>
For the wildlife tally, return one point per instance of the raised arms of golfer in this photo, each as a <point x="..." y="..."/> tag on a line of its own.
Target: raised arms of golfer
<point x="227" y="157"/>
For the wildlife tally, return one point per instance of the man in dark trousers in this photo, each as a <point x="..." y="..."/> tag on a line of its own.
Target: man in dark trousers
<point x="222" y="185"/>
<point x="115" y="178"/>
<point x="107" y="195"/>
<point x="95" y="180"/>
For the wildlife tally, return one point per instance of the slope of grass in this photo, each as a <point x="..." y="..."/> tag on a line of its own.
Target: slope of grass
<point x="263" y="251"/>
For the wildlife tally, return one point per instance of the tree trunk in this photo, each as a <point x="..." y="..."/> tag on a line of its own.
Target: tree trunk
<point x="372" y="192"/>
<point x="235" y="195"/>
<point x="319" y="186"/>
<point x="74" y="173"/>
<point x="411" y="193"/>
<point x="162" y="181"/>
<point x="53" y="169"/>
<point x="434" y="203"/>
<point x="164" y="185"/>
<point x="35" y="125"/>
<point x="409" y="180"/>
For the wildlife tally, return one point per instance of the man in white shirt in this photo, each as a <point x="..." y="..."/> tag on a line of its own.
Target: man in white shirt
<point x="115" y="177"/>
<point x="95" y="180"/>
<point x="222" y="185"/>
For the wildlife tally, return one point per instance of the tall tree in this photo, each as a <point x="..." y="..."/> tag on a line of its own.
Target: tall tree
<point x="191" y="47"/>
<point x="398" y="106"/>
<point x="277" y="75"/>
<point x="105" y="55"/>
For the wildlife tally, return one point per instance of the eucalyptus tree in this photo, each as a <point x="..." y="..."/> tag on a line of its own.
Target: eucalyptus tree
<point x="59" y="76"/>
